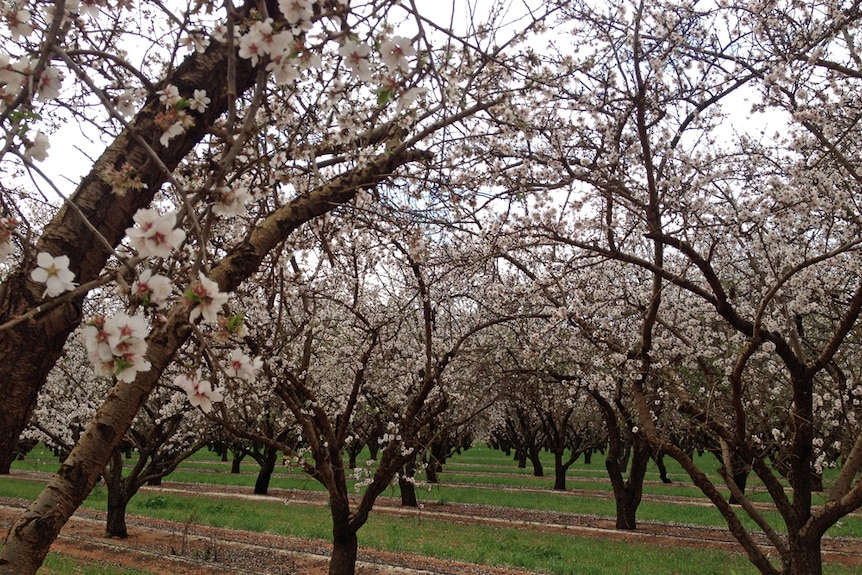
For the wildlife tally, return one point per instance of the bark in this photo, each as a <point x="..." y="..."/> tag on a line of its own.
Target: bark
<point x="805" y="556"/>
<point x="344" y="549"/>
<point x="118" y="500"/>
<point x="588" y="457"/>
<point x="29" y="539"/>
<point x="37" y="343"/>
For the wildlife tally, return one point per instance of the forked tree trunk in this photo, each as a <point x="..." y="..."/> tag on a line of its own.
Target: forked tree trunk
<point x="29" y="539"/>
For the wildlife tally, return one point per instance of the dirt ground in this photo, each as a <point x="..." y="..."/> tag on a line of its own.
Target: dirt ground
<point x="181" y="549"/>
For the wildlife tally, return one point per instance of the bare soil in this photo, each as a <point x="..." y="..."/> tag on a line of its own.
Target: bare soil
<point x="169" y="548"/>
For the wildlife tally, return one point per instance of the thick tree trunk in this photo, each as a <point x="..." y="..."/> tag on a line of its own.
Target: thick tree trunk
<point x="588" y="457"/>
<point x="237" y="460"/>
<point x="344" y="549"/>
<point x="431" y="472"/>
<point x="29" y="539"/>
<point x="805" y="556"/>
<point x="36" y="344"/>
<point x="116" y="523"/>
<point x="408" y="492"/>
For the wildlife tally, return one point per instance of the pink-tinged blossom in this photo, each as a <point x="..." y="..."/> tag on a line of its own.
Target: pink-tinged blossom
<point x="200" y="391"/>
<point x="169" y="96"/>
<point x="18" y="21"/>
<point x="231" y="200"/>
<point x="296" y="11"/>
<point x="206" y="299"/>
<point x="54" y="273"/>
<point x="355" y="55"/>
<point x="152" y="289"/>
<point x="199" y="101"/>
<point x="38" y="148"/>
<point x="127" y="103"/>
<point x="155" y="234"/>
<point x="255" y="43"/>
<point x="395" y="53"/>
<point x="116" y="346"/>
<point x="49" y="84"/>
<point x="196" y="41"/>
<point x="242" y="366"/>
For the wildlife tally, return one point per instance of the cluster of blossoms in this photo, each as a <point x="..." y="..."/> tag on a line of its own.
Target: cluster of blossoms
<point x="176" y="119"/>
<point x="155" y="234"/>
<point x="200" y="391"/>
<point x="116" y="345"/>
<point x="54" y="272"/>
<point x="287" y="53"/>
<point x="123" y="180"/>
<point x="15" y="75"/>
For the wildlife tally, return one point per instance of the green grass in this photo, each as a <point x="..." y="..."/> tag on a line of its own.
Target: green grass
<point x="56" y="564"/>
<point x="479" y="475"/>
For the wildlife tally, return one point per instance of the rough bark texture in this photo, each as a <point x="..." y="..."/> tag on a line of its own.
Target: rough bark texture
<point x="30" y="537"/>
<point x="37" y="343"/>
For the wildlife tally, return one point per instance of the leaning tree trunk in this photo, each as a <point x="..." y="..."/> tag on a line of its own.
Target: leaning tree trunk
<point x="29" y="539"/>
<point x="37" y="343"/>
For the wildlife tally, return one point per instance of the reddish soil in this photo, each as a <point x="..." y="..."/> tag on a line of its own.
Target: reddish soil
<point x="169" y="548"/>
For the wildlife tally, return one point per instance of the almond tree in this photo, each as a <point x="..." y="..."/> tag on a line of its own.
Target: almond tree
<point x="748" y="240"/>
<point x="281" y="113"/>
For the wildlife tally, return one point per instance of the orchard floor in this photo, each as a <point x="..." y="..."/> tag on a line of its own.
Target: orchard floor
<point x="171" y="548"/>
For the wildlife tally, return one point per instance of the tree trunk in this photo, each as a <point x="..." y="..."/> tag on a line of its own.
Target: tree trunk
<point x="521" y="456"/>
<point x="662" y="470"/>
<point x="29" y="539"/>
<point x="117" y="503"/>
<point x="431" y="472"/>
<point x="533" y="456"/>
<point x="408" y="492"/>
<point x="37" y="343"/>
<point x="559" y="472"/>
<point x="805" y="556"/>
<point x="344" y="548"/>
<point x="237" y="459"/>
<point x="627" y="493"/>
<point x="261" y="485"/>
<point x="406" y="484"/>
<point x="588" y="457"/>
